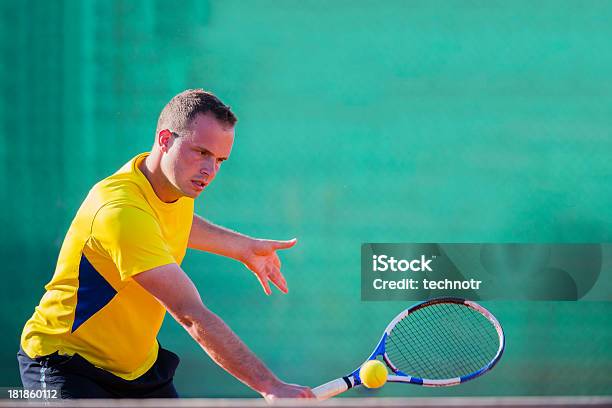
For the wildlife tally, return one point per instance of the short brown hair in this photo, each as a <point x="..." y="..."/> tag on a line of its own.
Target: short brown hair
<point x="183" y="108"/>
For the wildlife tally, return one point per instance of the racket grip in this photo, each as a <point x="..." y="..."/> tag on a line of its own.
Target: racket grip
<point x="330" y="389"/>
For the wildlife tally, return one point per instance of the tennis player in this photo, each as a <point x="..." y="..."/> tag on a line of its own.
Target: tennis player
<point x="94" y="332"/>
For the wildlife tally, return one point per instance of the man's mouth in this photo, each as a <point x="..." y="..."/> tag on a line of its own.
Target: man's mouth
<point x="199" y="185"/>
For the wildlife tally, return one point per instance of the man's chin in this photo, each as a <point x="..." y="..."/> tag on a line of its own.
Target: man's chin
<point x="189" y="190"/>
<point x="191" y="193"/>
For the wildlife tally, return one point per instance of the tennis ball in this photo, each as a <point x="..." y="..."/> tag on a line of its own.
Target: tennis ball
<point x="373" y="374"/>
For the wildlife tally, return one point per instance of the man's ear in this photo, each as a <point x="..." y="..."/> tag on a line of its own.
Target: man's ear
<point x="163" y="139"/>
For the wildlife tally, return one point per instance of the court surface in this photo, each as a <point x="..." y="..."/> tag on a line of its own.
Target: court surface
<point x="465" y="402"/>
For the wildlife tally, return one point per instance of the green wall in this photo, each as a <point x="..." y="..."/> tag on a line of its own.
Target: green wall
<point x="360" y="121"/>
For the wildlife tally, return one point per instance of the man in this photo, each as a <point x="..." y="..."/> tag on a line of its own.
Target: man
<point x="94" y="331"/>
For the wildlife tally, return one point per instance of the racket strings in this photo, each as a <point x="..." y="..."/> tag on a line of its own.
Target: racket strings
<point x="430" y="342"/>
<point x="421" y="352"/>
<point x="431" y="361"/>
<point x="442" y="341"/>
<point x="450" y="352"/>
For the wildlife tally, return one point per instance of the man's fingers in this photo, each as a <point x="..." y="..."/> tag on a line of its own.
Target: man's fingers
<point x="283" y="244"/>
<point x="307" y="393"/>
<point x="278" y="279"/>
<point x="263" y="280"/>
<point x="272" y="273"/>
<point x="276" y="261"/>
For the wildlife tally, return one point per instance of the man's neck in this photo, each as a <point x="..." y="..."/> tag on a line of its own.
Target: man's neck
<point x="152" y="172"/>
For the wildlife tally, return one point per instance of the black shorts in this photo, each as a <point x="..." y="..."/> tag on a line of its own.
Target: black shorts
<point x="75" y="377"/>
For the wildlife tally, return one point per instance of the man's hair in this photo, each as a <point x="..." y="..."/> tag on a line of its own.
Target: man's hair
<point x="178" y="114"/>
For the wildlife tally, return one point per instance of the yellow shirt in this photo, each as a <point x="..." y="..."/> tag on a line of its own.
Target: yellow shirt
<point x="92" y="305"/>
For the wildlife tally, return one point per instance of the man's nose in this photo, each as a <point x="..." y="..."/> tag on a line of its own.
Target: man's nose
<point x="208" y="169"/>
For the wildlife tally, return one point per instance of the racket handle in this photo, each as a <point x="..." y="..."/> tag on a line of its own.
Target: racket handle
<point x="331" y="389"/>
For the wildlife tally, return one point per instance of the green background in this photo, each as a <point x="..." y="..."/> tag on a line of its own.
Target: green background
<point x="360" y="121"/>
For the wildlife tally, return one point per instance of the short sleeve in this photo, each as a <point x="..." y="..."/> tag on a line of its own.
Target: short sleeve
<point x="132" y="238"/>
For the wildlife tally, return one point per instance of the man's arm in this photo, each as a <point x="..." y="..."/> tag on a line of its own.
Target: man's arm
<point x="177" y="293"/>
<point x="209" y="237"/>
<point x="259" y="255"/>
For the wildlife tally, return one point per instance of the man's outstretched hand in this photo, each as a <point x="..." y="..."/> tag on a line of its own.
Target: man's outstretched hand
<point x="261" y="258"/>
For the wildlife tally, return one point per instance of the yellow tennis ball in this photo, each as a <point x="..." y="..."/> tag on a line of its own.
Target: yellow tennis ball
<point x="373" y="374"/>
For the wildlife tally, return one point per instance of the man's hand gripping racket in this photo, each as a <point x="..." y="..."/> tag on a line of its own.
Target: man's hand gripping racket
<point x="436" y="343"/>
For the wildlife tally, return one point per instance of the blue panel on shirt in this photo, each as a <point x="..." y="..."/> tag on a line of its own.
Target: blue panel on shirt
<point x="93" y="294"/>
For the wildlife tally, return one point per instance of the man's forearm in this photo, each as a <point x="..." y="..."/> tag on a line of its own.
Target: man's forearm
<point x="209" y="237"/>
<point x="227" y="350"/>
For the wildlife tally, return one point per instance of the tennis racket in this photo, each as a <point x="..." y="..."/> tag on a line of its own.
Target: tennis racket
<point x="436" y="343"/>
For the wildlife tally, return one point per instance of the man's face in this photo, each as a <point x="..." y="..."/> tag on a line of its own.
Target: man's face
<point x="191" y="160"/>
